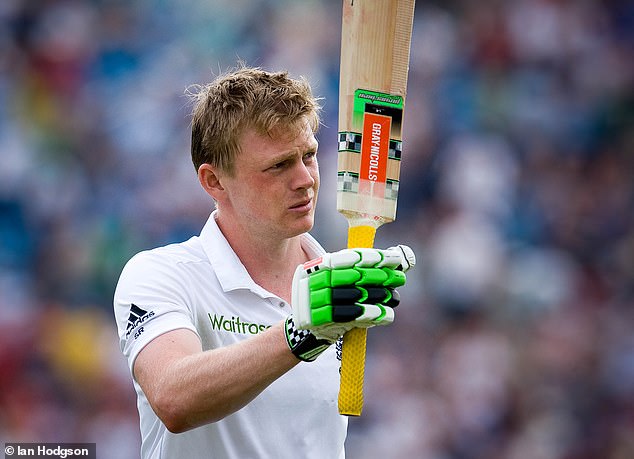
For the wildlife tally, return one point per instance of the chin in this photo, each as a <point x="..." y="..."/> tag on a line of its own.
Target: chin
<point x="302" y="225"/>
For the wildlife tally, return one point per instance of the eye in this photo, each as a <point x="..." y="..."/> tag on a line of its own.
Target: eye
<point x="278" y="166"/>
<point x="309" y="156"/>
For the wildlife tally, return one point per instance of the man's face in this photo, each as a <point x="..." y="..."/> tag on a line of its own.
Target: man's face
<point x="273" y="191"/>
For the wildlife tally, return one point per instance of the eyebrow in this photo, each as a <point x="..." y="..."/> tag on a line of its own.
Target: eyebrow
<point x="292" y="153"/>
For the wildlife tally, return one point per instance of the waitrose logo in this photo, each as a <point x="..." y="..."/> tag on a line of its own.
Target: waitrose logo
<point x="235" y="325"/>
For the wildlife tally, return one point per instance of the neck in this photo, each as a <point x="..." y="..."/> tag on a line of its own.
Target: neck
<point x="270" y="261"/>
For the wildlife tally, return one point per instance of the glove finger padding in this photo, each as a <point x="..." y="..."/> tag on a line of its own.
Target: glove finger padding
<point x="344" y="304"/>
<point x="350" y="288"/>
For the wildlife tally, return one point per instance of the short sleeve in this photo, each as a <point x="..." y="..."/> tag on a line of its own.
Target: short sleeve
<point x="150" y="299"/>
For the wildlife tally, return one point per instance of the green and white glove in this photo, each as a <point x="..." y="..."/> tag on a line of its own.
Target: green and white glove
<point x="352" y="288"/>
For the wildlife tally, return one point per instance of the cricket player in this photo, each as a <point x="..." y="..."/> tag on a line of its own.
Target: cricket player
<point x="231" y="335"/>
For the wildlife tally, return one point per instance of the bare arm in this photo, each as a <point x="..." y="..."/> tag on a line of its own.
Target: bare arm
<point x="188" y="388"/>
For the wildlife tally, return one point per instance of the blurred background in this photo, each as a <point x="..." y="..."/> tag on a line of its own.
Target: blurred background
<point x="515" y="337"/>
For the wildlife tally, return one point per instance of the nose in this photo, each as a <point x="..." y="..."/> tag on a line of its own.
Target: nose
<point x="305" y="176"/>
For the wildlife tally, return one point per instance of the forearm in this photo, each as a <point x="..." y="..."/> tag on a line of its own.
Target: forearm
<point x="205" y="387"/>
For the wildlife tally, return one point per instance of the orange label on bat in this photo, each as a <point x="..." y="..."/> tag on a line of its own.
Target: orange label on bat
<point x="375" y="146"/>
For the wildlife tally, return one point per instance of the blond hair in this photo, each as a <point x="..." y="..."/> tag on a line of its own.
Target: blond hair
<point x="246" y="98"/>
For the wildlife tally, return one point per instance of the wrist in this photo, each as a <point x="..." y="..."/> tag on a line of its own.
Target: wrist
<point x="303" y="344"/>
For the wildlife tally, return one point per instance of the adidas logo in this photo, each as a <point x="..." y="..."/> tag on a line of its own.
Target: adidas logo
<point x="137" y="317"/>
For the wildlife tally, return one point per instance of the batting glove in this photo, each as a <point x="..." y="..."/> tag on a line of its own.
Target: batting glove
<point x="352" y="288"/>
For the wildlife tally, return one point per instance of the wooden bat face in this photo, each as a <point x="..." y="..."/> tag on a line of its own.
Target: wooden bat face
<point x="375" y="48"/>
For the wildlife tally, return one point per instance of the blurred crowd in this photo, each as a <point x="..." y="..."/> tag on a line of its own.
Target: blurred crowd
<point x="515" y="337"/>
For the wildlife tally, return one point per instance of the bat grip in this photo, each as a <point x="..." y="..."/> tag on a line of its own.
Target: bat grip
<point x="354" y="342"/>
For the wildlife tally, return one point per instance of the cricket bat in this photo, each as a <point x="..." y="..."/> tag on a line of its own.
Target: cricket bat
<point x="375" y="48"/>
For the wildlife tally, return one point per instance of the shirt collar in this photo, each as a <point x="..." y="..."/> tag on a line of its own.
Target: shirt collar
<point x="228" y="267"/>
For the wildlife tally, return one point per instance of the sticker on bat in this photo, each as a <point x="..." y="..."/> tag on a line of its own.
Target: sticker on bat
<point x="380" y="104"/>
<point x="380" y="114"/>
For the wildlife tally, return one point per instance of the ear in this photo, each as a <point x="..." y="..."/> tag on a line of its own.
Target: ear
<point x="209" y="179"/>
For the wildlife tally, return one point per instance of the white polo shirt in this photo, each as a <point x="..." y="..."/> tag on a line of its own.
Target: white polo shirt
<point x="201" y="285"/>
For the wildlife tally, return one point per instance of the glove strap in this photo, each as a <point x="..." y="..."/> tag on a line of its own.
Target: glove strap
<point x="302" y="343"/>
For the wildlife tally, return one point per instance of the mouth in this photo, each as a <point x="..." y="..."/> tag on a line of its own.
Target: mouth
<point x="305" y="205"/>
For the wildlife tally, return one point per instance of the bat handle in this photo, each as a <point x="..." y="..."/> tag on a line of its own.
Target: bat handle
<point x="354" y="342"/>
